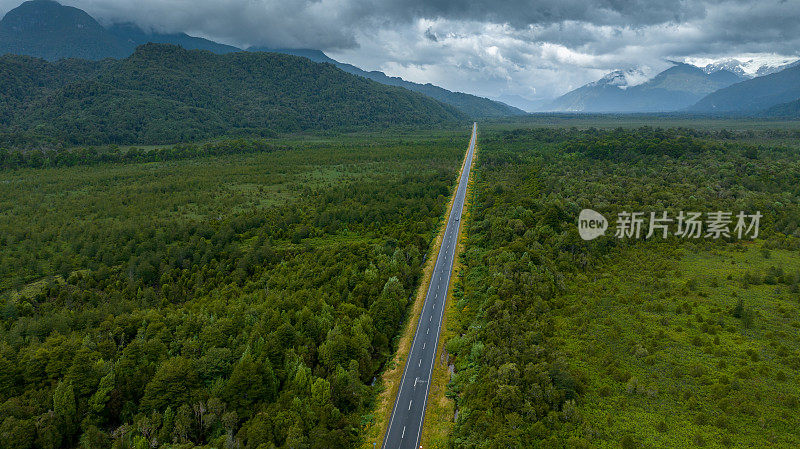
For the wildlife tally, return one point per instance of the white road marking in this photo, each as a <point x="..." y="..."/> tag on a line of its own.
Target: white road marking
<point x="404" y="433"/>
<point x="409" y="404"/>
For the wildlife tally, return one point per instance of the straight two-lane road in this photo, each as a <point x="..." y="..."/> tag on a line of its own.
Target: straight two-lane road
<point x="405" y="426"/>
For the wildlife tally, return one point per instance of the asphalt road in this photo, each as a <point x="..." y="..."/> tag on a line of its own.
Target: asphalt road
<point x="405" y="427"/>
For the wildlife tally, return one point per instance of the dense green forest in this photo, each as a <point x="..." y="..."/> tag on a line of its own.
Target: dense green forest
<point x="628" y="343"/>
<point x="165" y="94"/>
<point x="248" y="292"/>
<point x="227" y="300"/>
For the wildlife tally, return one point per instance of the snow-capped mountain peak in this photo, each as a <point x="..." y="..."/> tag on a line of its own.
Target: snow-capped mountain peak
<point x="622" y="78"/>
<point x="749" y="67"/>
<point x="731" y="65"/>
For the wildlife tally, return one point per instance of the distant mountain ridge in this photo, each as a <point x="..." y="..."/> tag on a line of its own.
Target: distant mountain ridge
<point x="756" y="95"/>
<point x="676" y="88"/>
<point x="49" y="30"/>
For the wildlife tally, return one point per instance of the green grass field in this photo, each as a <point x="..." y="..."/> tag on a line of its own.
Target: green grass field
<point x="669" y="360"/>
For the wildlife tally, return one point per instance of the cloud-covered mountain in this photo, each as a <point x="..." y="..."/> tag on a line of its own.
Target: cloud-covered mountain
<point x="132" y="36"/>
<point x="755" y="95"/>
<point x="49" y="30"/>
<point x="605" y="94"/>
<point x="472" y="105"/>
<point x="676" y="88"/>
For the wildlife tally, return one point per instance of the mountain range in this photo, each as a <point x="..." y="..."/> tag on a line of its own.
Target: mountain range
<point x="49" y="30"/>
<point x="676" y="88"/>
<point x="727" y="87"/>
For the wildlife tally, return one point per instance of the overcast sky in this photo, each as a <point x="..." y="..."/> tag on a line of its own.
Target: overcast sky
<point x="535" y="49"/>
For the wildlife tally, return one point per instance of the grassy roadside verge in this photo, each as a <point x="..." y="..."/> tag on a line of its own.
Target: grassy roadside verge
<point x="389" y="382"/>
<point x="440" y="409"/>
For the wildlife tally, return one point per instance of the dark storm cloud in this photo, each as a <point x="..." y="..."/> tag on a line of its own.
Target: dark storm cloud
<point x="759" y="26"/>
<point x="330" y="24"/>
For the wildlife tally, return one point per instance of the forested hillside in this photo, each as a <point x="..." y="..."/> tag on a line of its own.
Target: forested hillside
<point x="627" y="342"/>
<point x="242" y="300"/>
<point x="163" y="93"/>
<point x="471" y="105"/>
